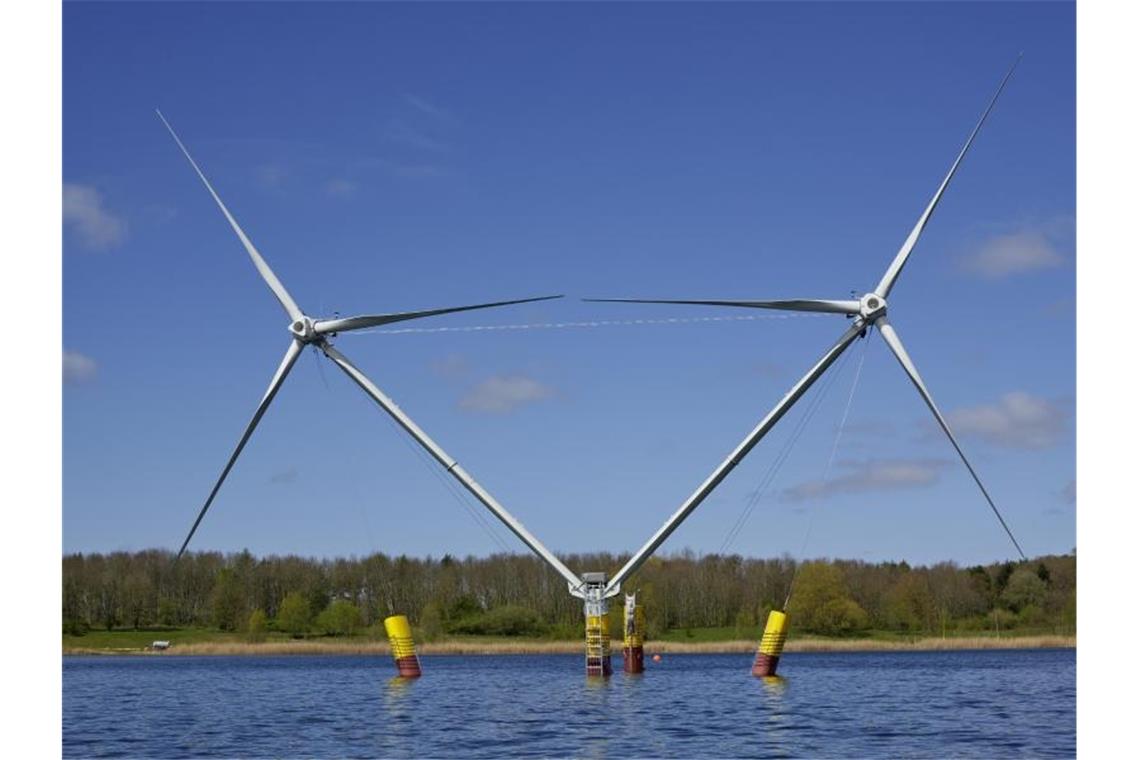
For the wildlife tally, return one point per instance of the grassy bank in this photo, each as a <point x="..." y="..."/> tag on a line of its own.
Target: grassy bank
<point x="207" y="642"/>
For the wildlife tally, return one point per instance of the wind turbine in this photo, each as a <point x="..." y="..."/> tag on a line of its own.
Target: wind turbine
<point x="305" y="330"/>
<point x="868" y="313"/>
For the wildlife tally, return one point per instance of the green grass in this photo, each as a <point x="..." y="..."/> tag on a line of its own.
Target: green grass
<point x="141" y="639"/>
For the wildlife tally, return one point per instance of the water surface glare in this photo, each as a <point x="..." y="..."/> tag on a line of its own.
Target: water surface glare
<point x="1011" y="703"/>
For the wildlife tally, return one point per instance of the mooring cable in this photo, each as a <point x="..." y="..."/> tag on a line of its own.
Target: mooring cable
<point x="782" y="456"/>
<point x="448" y="485"/>
<point x="827" y="467"/>
<point x="585" y="324"/>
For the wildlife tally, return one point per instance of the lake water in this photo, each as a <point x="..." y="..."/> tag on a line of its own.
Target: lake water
<point x="988" y="704"/>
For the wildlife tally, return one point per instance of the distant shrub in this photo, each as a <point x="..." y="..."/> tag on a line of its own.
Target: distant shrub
<point x="293" y="614"/>
<point x="75" y="627"/>
<point x="508" y="620"/>
<point x="255" y="629"/>
<point x="340" y="618"/>
<point x="430" y="622"/>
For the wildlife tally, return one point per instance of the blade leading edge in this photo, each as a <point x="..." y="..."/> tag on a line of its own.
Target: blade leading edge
<point x="279" y="377"/>
<point x="892" y="339"/>
<point x="791" y="304"/>
<point x="896" y="266"/>
<point x="346" y="324"/>
<point x="267" y="274"/>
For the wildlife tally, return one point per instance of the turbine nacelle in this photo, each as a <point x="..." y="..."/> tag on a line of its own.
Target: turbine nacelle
<point x="871" y="307"/>
<point x="302" y="329"/>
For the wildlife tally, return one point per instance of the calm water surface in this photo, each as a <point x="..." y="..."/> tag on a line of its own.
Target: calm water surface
<point x="912" y="704"/>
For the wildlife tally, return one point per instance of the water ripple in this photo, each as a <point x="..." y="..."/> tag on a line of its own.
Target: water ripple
<point x="922" y="705"/>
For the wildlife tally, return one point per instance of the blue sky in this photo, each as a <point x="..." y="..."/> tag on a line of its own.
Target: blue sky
<point x="387" y="157"/>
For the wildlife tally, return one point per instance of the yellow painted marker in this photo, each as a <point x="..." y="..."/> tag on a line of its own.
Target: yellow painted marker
<point x="771" y="644"/>
<point x="403" y="646"/>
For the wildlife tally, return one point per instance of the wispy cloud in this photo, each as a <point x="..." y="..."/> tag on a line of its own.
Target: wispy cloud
<point x="769" y="369"/>
<point x="400" y="131"/>
<point x="419" y="171"/>
<point x="288" y="475"/>
<point x="451" y="366"/>
<point x="504" y="393"/>
<point x="1069" y="492"/>
<point x="272" y="176"/>
<point x="424" y="105"/>
<point x="869" y="475"/>
<point x="1025" y="250"/>
<point x="339" y="187"/>
<point x="1018" y="420"/>
<point x="78" y="368"/>
<point x="95" y="227"/>
<point x="873" y="428"/>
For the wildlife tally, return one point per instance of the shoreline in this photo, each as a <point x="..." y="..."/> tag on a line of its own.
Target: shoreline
<point x="503" y="647"/>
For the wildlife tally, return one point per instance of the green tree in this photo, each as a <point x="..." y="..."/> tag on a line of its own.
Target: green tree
<point x="167" y="611"/>
<point x="431" y="621"/>
<point x="228" y="601"/>
<point x="293" y="615"/>
<point x="256" y="627"/>
<point x="820" y="604"/>
<point x="840" y="617"/>
<point x="1025" y="588"/>
<point x="910" y="605"/>
<point x="340" y="618"/>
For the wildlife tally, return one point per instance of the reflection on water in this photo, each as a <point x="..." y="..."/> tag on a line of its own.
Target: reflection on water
<point x="918" y="704"/>
<point x="774" y="685"/>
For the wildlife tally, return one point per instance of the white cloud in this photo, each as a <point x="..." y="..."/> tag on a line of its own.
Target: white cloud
<point x="78" y="368"/>
<point x="1013" y="253"/>
<point x="870" y="475"/>
<point x="1018" y="420"/>
<point x="503" y="393"/>
<point x="98" y="229"/>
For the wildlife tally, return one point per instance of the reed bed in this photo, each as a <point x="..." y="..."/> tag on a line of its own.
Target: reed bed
<point x="505" y="647"/>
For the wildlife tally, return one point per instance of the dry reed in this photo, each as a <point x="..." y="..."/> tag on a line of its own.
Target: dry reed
<point x="453" y="647"/>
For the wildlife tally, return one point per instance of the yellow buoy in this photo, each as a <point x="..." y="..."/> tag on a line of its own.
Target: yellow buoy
<point x="403" y="646"/>
<point x="771" y="644"/>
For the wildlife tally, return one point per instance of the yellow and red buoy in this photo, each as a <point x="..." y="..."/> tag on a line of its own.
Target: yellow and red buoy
<point x="403" y="646"/>
<point x="633" y="652"/>
<point x="771" y="644"/>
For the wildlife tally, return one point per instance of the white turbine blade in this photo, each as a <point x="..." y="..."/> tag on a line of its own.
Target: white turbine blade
<point x="267" y="274"/>
<point x="738" y="454"/>
<point x="791" y="304"/>
<point x="375" y="320"/>
<point x="896" y="266"/>
<point x="892" y="339"/>
<point x="278" y="377"/>
<point x="452" y="466"/>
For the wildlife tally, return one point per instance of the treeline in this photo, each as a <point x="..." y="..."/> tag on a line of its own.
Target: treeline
<point x="514" y="594"/>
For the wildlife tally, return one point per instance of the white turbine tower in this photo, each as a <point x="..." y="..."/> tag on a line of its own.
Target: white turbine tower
<point x="868" y="312"/>
<point x="305" y="330"/>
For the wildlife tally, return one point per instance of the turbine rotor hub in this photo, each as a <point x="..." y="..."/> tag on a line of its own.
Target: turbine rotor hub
<point x="872" y="306"/>
<point x="302" y="329"/>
